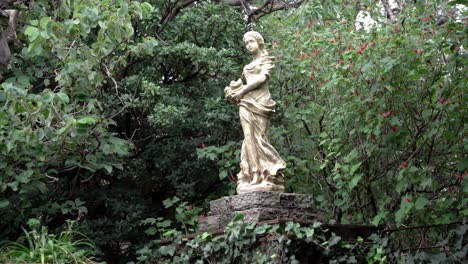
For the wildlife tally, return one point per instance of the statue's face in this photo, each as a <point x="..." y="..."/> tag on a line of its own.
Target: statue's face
<point x="251" y="44"/>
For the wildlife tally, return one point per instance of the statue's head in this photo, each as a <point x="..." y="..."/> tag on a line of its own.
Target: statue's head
<point x="255" y="35"/>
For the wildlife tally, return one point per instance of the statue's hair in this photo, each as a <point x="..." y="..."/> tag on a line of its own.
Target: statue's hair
<point x="256" y="36"/>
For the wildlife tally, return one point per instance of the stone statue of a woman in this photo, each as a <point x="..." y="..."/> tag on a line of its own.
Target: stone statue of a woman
<point x="261" y="166"/>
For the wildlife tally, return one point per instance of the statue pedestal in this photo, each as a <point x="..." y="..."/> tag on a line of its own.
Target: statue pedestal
<point x="261" y="207"/>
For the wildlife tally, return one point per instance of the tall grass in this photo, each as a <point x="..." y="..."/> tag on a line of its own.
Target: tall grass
<point x="38" y="246"/>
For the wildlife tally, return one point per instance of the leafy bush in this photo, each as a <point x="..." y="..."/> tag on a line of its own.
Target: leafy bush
<point x="374" y="117"/>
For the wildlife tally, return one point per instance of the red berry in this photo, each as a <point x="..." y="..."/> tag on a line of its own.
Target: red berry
<point x="427" y="19"/>
<point x="311" y="77"/>
<point x="349" y="47"/>
<point x="460" y="177"/>
<point x="387" y="114"/>
<point x="327" y="22"/>
<point x="344" y="22"/>
<point x="373" y="43"/>
<point x="355" y="92"/>
<point x="394" y="128"/>
<point x="382" y="78"/>
<point x="449" y="190"/>
<point x="286" y="102"/>
<point x="408" y="199"/>
<point x="341" y="62"/>
<point x="202" y="216"/>
<point x="308" y="25"/>
<point x="404" y="164"/>
<point x="202" y="145"/>
<point x="454" y="191"/>
<point x="441" y="100"/>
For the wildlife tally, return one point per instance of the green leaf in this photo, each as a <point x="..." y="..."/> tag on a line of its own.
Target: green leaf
<point x="25" y="176"/>
<point x="222" y="174"/>
<point x="123" y="10"/>
<point x="355" y="181"/>
<point x="4" y="203"/>
<point x="381" y="215"/>
<point x="420" y="203"/>
<point x="151" y="231"/>
<point x="63" y="96"/>
<point x="86" y="120"/>
<point x="32" y="33"/>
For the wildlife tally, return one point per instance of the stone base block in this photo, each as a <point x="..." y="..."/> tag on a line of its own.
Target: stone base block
<point x="261" y="207"/>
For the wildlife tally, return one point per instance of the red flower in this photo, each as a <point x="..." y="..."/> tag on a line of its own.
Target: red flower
<point x="301" y="57"/>
<point x="373" y="43"/>
<point x="333" y="40"/>
<point x="408" y="200"/>
<point x="202" y="216"/>
<point x="311" y="77"/>
<point x="344" y="22"/>
<point x="454" y="191"/>
<point x="286" y="102"/>
<point x="341" y="51"/>
<point x="427" y="19"/>
<point x="404" y="164"/>
<point x="387" y="114"/>
<point x="359" y="52"/>
<point x="441" y="100"/>
<point x="349" y="47"/>
<point x="341" y="62"/>
<point x="308" y="24"/>
<point x="460" y="177"/>
<point x="416" y="51"/>
<point x="355" y="92"/>
<point x="449" y="190"/>
<point x="394" y="128"/>
<point x="202" y="145"/>
<point x="327" y="22"/>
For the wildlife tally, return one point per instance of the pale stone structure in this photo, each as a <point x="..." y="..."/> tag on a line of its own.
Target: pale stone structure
<point x="261" y="166"/>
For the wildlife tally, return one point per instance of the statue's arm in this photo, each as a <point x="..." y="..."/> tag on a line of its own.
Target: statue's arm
<point x="259" y="80"/>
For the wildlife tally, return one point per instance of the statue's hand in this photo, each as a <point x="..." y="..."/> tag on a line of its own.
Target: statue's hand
<point x="236" y="95"/>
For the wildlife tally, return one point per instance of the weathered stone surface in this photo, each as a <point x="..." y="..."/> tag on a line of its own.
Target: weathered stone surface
<point x="259" y="207"/>
<point x="250" y="200"/>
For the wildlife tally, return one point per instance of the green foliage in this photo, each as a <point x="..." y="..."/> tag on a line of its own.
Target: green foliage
<point x="111" y="107"/>
<point x="238" y="244"/>
<point x="374" y="119"/>
<point x="39" y="246"/>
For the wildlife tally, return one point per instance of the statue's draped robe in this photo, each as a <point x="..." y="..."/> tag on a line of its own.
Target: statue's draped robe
<point x="256" y="109"/>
